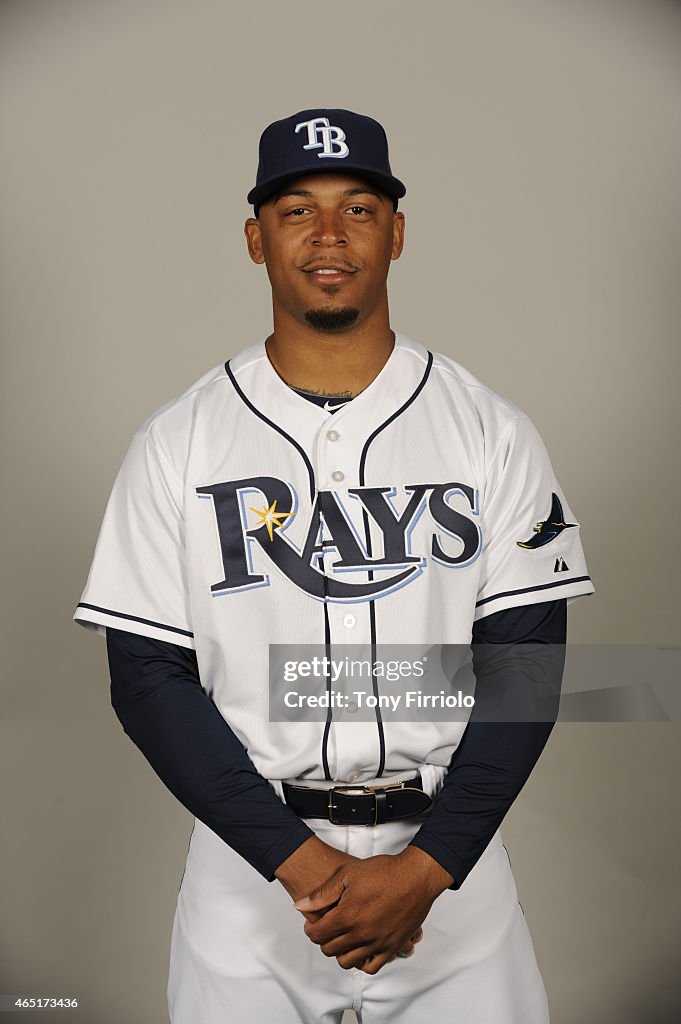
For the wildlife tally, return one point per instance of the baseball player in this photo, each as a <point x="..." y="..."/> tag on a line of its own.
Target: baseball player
<point x="334" y="483"/>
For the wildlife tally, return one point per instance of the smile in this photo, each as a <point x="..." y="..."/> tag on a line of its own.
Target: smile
<point x="330" y="275"/>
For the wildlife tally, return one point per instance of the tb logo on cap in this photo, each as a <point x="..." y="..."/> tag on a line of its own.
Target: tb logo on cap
<point x="330" y="135"/>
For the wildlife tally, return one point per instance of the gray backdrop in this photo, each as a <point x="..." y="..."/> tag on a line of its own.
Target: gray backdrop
<point x="541" y="148"/>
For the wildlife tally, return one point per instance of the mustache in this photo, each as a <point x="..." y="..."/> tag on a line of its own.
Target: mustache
<point x="317" y="264"/>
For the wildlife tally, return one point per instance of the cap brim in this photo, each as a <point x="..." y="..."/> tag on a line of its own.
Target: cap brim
<point x="393" y="187"/>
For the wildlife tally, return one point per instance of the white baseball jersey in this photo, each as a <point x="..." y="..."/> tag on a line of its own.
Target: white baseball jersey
<point x="244" y="515"/>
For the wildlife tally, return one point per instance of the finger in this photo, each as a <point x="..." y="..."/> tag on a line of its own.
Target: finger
<point x="374" y="963"/>
<point x="408" y="949"/>
<point x="390" y="959"/>
<point x="346" y="943"/>
<point x="313" y="915"/>
<point x="315" y="903"/>
<point x="323" y="896"/>
<point x="355" y="958"/>
<point x="330" y="927"/>
<point x="342" y="942"/>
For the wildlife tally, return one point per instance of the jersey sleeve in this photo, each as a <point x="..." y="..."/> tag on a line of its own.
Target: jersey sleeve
<point x="532" y="549"/>
<point x="137" y="581"/>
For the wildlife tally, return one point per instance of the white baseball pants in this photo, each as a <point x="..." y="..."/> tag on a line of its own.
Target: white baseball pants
<point x="239" y="953"/>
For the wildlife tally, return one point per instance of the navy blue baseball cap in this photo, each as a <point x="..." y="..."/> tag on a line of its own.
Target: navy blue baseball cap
<point x="323" y="140"/>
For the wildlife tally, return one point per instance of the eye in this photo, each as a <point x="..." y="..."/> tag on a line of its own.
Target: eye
<point x="296" y="212"/>
<point x="359" y="209"/>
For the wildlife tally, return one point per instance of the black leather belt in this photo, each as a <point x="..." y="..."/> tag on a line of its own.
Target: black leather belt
<point x="360" y="805"/>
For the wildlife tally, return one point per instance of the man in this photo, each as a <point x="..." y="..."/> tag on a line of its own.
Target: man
<point x="336" y="483"/>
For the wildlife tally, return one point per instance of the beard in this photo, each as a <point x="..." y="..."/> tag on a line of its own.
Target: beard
<point x="332" y="319"/>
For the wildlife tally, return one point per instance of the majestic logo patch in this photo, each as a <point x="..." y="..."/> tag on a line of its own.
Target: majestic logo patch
<point x="561" y="565"/>
<point x="321" y="134"/>
<point x="455" y="540"/>
<point x="548" y="529"/>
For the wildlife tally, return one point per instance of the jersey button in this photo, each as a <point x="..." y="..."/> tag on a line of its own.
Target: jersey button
<point x="332" y="435"/>
<point x="352" y="708"/>
<point x="350" y="621"/>
<point x="337" y="475"/>
<point x="353" y="776"/>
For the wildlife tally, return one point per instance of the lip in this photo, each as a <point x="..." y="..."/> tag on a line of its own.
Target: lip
<point x="326" y="275"/>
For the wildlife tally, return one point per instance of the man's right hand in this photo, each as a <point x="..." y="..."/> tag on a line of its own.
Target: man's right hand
<point x="307" y="867"/>
<point x="312" y="864"/>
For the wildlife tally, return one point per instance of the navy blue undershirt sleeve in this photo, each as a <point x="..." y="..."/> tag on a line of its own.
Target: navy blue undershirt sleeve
<point x="158" y="698"/>
<point x="494" y="758"/>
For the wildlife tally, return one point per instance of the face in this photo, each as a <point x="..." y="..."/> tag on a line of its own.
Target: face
<point x="327" y="241"/>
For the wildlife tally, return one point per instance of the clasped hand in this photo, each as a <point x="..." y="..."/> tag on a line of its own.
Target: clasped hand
<point x="368" y="911"/>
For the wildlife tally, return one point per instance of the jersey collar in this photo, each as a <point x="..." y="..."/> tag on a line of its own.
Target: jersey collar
<point x="392" y="390"/>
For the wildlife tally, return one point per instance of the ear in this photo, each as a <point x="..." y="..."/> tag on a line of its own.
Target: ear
<point x="254" y="240"/>
<point x="398" y="236"/>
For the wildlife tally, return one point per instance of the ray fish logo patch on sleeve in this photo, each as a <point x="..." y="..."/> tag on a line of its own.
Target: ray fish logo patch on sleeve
<point x="548" y="529"/>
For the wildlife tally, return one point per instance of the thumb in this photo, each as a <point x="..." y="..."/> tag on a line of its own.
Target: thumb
<point x="324" y="895"/>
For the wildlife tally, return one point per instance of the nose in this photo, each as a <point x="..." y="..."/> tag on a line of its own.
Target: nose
<point x="329" y="229"/>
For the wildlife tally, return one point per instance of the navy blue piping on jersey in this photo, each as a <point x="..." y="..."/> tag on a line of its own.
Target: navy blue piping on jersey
<point x="372" y="609"/>
<point x="372" y="627"/>
<point x="134" y="618"/>
<point x="393" y="416"/>
<point x="529" y="590"/>
<point x="313" y="489"/>
<point x="275" y="426"/>
<point x="329" y="710"/>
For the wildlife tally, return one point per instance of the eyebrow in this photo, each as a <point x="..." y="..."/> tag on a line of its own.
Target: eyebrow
<point x="348" y="192"/>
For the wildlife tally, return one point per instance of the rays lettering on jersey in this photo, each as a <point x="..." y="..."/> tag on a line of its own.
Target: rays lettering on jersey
<point x="330" y="529"/>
